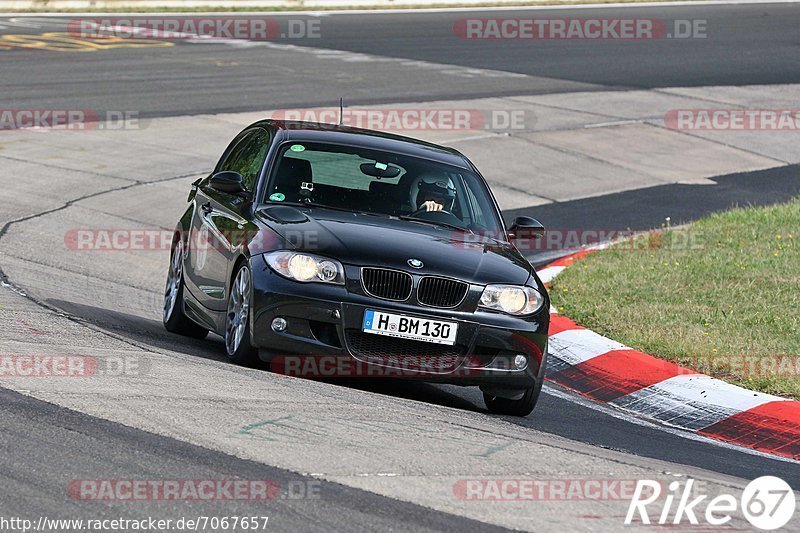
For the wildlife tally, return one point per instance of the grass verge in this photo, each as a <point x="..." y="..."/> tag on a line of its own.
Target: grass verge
<point x="721" y="296"/>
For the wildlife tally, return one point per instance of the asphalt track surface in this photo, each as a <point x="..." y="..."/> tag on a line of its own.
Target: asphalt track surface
<point x="644" y="209"/>
<point x="744" y="44"/>
<point x="73" y="443"/>
<point x="747" y="45"/>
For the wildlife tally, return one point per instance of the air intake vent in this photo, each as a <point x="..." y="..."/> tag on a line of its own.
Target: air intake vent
<point x="386" y="284"/>
<point x="441" y="292"/>
<point x="404" y="353"/>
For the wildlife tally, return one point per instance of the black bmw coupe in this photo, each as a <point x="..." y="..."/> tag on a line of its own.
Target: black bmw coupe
<point x="315" y="241"/>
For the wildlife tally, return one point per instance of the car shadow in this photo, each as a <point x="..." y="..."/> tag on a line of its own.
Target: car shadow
<point x="414" y="390"/>
<point x="151" y="332"/>
<point x="139" y="329"/>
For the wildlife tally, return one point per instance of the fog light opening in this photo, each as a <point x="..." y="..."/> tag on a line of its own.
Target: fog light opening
<point x="520" y="362"/>
<point x="279" y="324"/>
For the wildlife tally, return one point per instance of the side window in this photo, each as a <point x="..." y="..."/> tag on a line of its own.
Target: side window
<point x="247" y="157"/>
<point x="230" y="153"/>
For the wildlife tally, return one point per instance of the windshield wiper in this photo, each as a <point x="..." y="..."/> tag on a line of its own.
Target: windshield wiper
<point x="435" y="223"/>
<point x="311" y="203"/>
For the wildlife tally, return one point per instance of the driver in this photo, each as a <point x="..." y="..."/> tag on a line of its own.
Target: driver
<point x="436" y="193"/>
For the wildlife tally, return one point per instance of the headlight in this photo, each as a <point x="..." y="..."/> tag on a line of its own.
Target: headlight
<point x="512" y="299"/>
<point x="306" y="267"/>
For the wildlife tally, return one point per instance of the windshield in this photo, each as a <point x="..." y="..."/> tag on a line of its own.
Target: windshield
<point x="372" y="181"/>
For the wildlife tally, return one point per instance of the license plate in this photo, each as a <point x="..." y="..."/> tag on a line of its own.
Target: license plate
<point x="408" y="327"/>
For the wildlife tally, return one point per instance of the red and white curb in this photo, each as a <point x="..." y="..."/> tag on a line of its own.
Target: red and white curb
<point x="609" y="372"/>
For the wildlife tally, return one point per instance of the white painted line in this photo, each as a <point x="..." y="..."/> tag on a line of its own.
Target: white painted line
<point x="613" y="123"/>
<point x="576" y="346"/>
<point x="474" y="138"/>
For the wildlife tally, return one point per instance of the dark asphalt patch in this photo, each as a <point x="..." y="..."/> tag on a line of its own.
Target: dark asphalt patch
<point x="46" y="447"/>
<point x="744" y="45"/>
<point x="645" y="209"/>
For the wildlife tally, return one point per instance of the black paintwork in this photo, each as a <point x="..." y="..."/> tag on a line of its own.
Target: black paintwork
<point x="240" y="227"/>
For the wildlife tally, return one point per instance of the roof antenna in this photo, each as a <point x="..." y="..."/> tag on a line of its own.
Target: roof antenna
<point x="341" y="111"/>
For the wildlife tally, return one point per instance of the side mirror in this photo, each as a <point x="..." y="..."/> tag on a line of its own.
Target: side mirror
<point x="228" y="181"/>
<point x="527" y="226"/>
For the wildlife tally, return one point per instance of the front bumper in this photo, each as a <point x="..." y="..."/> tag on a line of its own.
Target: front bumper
<point x="324" y="337"/>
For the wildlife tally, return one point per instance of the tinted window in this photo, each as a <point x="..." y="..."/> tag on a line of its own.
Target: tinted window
<point x="247" y="157"/>
<point x="347" y="177"/>
<point x="340" y="169"/>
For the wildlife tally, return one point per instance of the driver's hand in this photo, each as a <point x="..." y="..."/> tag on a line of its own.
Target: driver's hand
<point x="430" y="205"/>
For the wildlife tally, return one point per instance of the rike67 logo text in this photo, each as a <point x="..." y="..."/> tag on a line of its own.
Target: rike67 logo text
<point x="767" y="502"/>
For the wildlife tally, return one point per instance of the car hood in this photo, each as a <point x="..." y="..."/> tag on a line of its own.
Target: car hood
<point x="365" y="240"/>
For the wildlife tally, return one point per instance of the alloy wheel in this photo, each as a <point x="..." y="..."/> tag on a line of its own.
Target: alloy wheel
<point x="174" y="279"/>
<point x="238" y="310"/>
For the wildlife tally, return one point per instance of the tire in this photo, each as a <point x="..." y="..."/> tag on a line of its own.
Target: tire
<point x="175" y="321"/>
<point x="237" y="320"/>
<point x="521" y="407"/>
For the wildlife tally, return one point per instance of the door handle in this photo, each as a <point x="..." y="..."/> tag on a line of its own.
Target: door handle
<point x="206" y="207"/>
